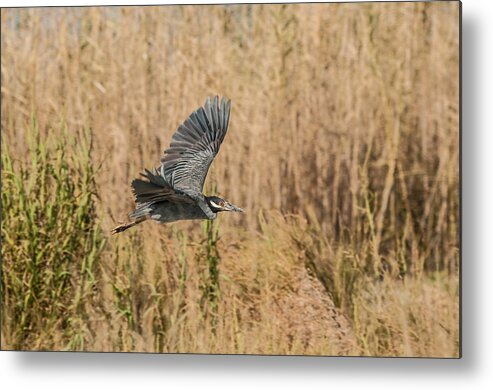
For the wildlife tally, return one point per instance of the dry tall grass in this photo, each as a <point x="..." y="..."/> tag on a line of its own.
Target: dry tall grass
<point x="343" y="148"/>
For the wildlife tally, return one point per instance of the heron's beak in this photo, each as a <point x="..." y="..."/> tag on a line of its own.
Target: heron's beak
<point x="231" y="207"/>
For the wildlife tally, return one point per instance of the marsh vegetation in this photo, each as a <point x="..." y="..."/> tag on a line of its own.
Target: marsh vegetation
<point x="343" y="148"/>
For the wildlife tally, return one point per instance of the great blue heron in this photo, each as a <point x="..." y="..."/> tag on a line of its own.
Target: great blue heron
<point x="173" y="191"/>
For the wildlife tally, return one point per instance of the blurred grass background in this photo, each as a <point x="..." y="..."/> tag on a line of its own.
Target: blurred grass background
<point x="343" y="148"/>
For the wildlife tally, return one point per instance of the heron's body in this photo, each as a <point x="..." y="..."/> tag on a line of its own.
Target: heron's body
<point x="173" y="191"/>
<point x="164" y="212"/>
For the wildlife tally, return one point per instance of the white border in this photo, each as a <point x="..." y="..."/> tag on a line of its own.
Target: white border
<point x="136" y="371"/>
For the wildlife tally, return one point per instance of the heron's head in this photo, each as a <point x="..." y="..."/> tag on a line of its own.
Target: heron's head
<point x="217" y="204"/>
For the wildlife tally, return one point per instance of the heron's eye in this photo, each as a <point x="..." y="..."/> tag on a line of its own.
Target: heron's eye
<point x="221" y="203"/>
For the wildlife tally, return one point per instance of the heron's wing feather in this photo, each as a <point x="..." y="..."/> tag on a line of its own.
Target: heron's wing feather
<point x="194" y="145"/>
<point x="156" y="189"/>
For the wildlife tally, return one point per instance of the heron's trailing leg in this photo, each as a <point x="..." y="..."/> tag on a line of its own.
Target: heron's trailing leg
<point x="125" y="226"/>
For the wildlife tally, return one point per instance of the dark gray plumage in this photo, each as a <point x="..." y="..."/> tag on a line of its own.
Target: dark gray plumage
<point x="173" y="191"/>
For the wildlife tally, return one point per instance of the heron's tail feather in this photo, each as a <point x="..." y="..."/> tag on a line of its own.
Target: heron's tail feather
<point x="142" y="212"/>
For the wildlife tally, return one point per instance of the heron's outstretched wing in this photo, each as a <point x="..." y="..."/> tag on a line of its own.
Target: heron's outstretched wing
<point x="194" y="145"/>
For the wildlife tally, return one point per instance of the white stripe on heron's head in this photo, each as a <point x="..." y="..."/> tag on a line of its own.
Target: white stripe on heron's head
<point x="215" y="204"/>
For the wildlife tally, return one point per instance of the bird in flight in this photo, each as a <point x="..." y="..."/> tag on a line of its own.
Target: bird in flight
<point x="173" y="191"/>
